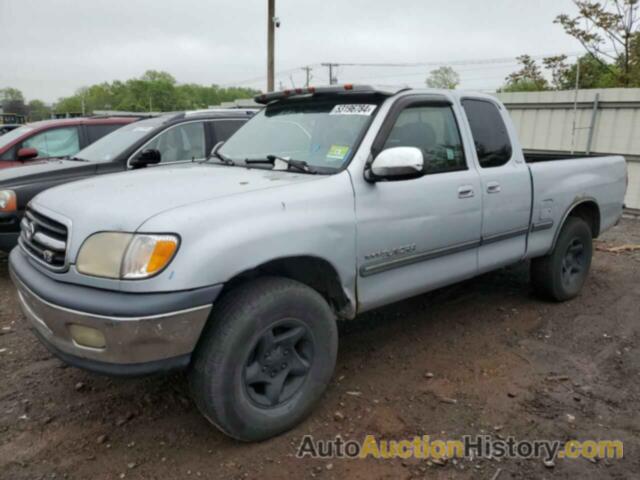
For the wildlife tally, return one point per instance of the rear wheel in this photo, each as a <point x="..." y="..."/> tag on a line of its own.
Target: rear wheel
<point x="561" y="274"/>
<point x="265" y="359"/>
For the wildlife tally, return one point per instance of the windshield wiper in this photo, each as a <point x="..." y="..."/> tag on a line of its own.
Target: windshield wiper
<point x="299" y="165"/>
<point x="73" y="159"/>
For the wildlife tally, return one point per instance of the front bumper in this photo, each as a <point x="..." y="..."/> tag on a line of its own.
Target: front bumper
<point x="143" y="333"/>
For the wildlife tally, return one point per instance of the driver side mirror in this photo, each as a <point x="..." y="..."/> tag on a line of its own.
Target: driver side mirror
<point x="27" y="153"/>
<point x="150" y="156"/>
<point x="398" y="163"/>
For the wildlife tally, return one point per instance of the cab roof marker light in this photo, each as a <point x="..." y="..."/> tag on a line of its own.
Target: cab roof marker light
<point x="266" y="98"/>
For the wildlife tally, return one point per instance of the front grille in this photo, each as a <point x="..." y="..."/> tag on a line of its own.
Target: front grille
<point x="44" y="239"/>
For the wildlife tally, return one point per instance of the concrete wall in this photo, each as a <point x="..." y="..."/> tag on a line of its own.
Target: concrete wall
<point x="607" y="121"/>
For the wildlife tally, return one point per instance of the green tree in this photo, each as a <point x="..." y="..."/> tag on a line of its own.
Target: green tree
<point x="443" y="77"/>
<point x="557" y="66"/>
<point x="38" y="110"/>
<point x="593" y="74"/>
<point x="12" y="101"/>
<point x="607" y="31"/>
<point x="155" y="90"/>
<point x="528" y="79"/>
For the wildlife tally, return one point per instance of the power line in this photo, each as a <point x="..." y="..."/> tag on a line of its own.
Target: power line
<point x="473" y="64"/>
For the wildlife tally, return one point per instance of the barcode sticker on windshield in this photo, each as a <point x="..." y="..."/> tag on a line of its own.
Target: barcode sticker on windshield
<point x="353" y="109"/>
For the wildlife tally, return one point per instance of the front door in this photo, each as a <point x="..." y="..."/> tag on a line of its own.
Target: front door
<point x="416" y="235"/>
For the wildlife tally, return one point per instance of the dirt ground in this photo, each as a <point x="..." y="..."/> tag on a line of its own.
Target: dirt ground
<point x="503" y="363"/>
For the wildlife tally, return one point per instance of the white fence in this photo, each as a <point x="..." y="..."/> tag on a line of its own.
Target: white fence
<point x="600" y="121"/>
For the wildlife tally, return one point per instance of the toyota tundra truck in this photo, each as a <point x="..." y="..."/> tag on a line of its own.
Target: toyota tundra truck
<point x="330" y="202"/>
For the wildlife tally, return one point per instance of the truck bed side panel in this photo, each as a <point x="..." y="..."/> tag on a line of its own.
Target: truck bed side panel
<point x="560" y="185"/>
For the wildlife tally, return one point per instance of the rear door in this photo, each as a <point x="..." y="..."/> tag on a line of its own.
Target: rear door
<point x="506" y="185"/>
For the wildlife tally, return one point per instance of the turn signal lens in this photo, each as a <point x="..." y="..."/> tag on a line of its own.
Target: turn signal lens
<point x="130" y="256"/>
<point x="148" y="255"/>
<point x="162" y="255"/>
<point x="8" y="201"/>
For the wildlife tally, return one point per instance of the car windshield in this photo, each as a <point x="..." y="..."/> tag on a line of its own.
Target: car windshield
<point x="11" y="136"/>
<point x="112" y="145"/>
<point x="324" y="134"/>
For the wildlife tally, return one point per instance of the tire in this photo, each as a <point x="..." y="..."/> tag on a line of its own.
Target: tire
<point x="265" y="358"/>
<point x="561" y="274"/>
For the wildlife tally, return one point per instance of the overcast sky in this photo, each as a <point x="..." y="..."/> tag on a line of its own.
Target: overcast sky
<point x="51" y="48"/>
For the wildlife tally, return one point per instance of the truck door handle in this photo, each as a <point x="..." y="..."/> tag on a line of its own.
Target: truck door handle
<point x="493" y="187"/>
<point x="465" y="191"/>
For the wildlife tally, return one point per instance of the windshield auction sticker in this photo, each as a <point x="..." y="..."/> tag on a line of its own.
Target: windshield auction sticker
<point x="353" y="109"/>
<point x="337" y="152"/>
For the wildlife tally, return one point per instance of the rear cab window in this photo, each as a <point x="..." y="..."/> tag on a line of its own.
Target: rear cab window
<point x="490" y="135"/>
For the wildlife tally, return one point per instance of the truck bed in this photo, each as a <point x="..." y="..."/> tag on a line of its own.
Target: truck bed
<point x="533" y="156"/>
<point x="561" y="182"/>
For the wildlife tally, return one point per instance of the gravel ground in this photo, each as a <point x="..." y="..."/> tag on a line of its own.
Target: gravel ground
<point x="502" y="362"/>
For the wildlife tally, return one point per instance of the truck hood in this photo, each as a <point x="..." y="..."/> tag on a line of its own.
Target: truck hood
<point x="123" y="201"/>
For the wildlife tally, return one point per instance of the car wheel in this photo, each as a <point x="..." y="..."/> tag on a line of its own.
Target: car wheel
<point x="265" y="358"/>
<point x="561" y="274"/>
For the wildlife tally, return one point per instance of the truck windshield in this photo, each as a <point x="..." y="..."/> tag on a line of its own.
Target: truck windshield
<point x="112" y="145"/>
<point x="322" y="134"/>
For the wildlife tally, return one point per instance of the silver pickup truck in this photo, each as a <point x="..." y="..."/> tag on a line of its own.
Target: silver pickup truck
<point x="330" y="202"/>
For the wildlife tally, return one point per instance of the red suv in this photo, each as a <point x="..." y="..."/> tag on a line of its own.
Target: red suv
<point x="55" y="138"/>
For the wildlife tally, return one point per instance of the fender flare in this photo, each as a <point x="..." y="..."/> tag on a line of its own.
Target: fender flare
<point x="566" y="215"/>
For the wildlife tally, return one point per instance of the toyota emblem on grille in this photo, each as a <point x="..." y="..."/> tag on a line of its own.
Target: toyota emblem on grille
<point x="48" y="256"/>
<point x="30" y="230"/>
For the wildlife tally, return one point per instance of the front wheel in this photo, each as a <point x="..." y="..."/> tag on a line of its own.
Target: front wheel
<point x="561" y="274"/>
<point x="265" y="359"/>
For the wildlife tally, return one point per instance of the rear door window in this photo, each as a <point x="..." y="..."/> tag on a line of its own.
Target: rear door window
<point x="57" y="142"/>
<point x="490" y="135"/>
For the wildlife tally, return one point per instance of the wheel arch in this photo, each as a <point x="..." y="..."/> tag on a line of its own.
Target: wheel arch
<point x="315" y="272"/>
<point x="586" y="209"/>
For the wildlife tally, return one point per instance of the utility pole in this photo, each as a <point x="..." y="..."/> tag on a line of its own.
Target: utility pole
<point x="575" y="108"/>
<point x="332" y="79"/>
<point x="307" y="70"/>
<point x="270" y="44"/>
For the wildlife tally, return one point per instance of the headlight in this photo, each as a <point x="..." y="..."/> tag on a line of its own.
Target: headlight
<point x="125" y="255"/>
<point x="8" y="201"/>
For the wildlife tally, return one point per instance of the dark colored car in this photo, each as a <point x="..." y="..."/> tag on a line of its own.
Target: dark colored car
<point x="172" y="138"/>
<point x="55" y="138"/>
<point x="7" y="127"/>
